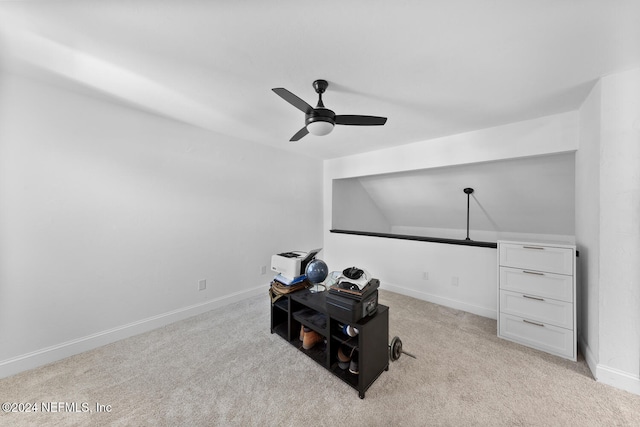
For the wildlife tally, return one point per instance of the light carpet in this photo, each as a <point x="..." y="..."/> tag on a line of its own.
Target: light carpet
<point x="225" y="368"/>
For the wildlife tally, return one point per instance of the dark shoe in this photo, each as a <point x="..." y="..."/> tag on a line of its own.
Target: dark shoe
<point x="353" y="366"/>
<point x="343" y="359"/>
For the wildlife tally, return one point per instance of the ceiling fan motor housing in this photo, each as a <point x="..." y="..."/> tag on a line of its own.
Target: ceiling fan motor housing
<point x="320" y="121"/>
<point x="320" y="115"/>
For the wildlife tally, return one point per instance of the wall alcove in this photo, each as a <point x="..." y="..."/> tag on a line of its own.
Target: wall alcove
<point x="522" y="198"/>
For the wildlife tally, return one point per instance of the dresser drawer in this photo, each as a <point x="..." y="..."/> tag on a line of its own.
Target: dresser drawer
<point x="552" y="339"/>
<point x="545" y="310"/>
<point x="547" y="285"/>
<point x="539" y="258"/>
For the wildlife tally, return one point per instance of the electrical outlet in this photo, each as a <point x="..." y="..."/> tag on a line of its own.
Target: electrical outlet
<point x="454" y="281"/>
<point x="202" y="285"/>
<point x="425" y="275"/>
<point x="263" y="270"/>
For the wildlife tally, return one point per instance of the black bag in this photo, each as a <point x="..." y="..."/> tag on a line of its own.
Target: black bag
<point x="345" y="307"/>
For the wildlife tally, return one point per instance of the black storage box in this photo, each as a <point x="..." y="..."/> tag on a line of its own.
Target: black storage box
<point x="350" y="309"/>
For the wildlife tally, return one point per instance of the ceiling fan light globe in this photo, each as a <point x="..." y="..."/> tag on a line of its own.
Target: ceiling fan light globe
<point x="320" y="128"/>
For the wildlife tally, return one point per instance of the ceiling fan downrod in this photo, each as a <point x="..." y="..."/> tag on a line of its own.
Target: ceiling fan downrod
<point x="320" y="87"/>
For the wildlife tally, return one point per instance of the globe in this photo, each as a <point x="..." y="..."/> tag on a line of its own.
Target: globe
<point x="316" y="272"/>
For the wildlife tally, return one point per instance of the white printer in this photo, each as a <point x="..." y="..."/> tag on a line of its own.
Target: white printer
<point x="292" y="264"/>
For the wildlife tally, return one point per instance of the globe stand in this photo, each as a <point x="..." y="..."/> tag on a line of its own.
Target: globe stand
<point x="316" y="272"/>
<point x="316" y="288"/>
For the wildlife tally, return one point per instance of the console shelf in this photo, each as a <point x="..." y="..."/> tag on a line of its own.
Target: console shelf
<point x="370" y="346"/>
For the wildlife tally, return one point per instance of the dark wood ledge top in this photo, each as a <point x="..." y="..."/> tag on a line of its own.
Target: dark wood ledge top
<point x="419" y="238"/>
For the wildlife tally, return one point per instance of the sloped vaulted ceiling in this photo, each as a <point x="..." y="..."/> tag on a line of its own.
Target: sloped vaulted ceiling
<point x="532" y="195"/>
<point x="434" y="68"/>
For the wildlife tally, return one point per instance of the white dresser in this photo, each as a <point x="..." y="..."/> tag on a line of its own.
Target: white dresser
<point x="537" y="296"/>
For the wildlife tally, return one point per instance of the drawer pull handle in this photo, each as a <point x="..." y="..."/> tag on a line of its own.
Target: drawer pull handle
<point x="533" y="272"/>
<point x="535" y="298"/>
<point x="532" y="323"/>
<point x="533" y="247"/>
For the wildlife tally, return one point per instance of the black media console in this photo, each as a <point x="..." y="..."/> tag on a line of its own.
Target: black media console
<point x="370" y="345"/>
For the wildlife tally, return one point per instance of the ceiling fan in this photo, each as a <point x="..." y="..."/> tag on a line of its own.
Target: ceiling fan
<point x="321" y="120"/>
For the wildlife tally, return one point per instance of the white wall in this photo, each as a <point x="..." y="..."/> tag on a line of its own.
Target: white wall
<point x="401" y="264"/>
<point x="354" y="209"/>
<point x="110" y="216"/>
<point x="608" y="229"/>
<point x="619" y="282"/>
<point x="587" y="224"/>
<point x="545" y="135"/>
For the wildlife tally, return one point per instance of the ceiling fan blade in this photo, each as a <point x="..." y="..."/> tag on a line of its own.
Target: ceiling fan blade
<point x="302" y="132"/>
<point x="293" y="100"/>
<point x="360" y="120"/>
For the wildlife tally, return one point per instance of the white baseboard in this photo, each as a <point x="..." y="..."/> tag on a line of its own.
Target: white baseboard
<point x="447" y="302"/>
<point x="589" y="357"/>
<point x="63" y="350"/>
<point x="618" y="379"/>
<point x="610" y="376"/>
<point x="604" y="374"/>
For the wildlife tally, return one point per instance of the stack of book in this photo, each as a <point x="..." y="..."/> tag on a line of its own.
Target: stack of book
<point x="289" y="282"/>
<point x="351" y="290"/>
